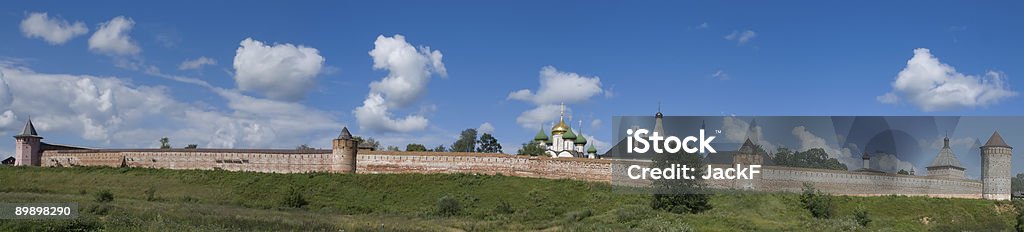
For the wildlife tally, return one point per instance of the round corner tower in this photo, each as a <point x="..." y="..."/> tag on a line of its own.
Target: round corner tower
<point x="27" y="147"/>
<point x="343" y="153"/>
<point x="996" y="159"/>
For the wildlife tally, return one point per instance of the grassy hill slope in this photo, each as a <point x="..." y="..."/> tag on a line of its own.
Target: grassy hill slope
<point x="151" y="199"/>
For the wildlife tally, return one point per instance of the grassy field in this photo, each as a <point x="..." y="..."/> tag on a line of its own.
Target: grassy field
<point x="180" y="200"/>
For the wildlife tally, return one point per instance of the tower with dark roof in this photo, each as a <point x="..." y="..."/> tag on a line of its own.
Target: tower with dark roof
<point x="748" y="155"/>
<point x="996" y="156"/>
<point x="658" y="125"/>
<point x="27" y="146"/>
<point x="946" y="164"/>
<point x="867" y="161"/>
<point x="343" y="152"/>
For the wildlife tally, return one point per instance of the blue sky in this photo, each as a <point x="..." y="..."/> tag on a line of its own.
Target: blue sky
<point x="803" y="58"/>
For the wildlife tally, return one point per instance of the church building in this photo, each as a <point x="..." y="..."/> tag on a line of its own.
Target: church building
<point x="563" y="142"/>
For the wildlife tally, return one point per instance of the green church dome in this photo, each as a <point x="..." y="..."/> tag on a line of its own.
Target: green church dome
<point x="580" y="139"/>
<point x="540" y="135"/>
<point x="569" y="135"/>
<point x="592" y="149"/>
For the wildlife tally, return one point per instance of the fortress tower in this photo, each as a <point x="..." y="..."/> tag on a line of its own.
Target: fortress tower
<point x="747" y="155"/>
<point x="946" y="164"/>
<point x="27" y="147"/>
<point x="995" y="168"/>
<point x="343" y="152"/>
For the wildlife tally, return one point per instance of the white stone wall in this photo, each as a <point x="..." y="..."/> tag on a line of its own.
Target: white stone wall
<point x="995" y="172"/>
<point x="773" y="178"/>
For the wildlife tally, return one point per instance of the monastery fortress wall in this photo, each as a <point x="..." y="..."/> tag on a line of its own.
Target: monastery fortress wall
<point x="292" y="161"/>
<point x="345" y="157"/>
<point x="772" y="178"/>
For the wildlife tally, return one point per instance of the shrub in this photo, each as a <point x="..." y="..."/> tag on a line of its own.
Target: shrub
<point x="1019" y="205"/>
<point x="819" y="204"/>
<point x="448" y="206"/>
<point x="861" y="215"/>
<point x="630" y="213"/>
<point x="578" y="215"/>
<point x="681" y="202"/>
<point x="680" y="196"/>
<point x="102" y="209"/>
<point x="77" y="224"/>
<point x="189" y="199"/>
<point x="104" y="196"/>
<point x="504" y="207"/>
<point x="151" y="193"/>
<point x="294" y="199"/>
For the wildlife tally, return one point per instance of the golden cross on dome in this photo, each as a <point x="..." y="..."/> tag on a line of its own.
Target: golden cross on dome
<point x="562" y="111"/>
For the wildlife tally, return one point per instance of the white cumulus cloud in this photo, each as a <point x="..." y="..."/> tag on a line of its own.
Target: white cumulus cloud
<point x="556" y="87"/>
<point x="196" y="63"/>
<point x="55" y="31"/>
<point x="703" y="26"/>
<point x="809" y="140"/>
<point x="601" y="146"/>
<point x="539" y="115"/>
<point x="279" y="71"/>
<point x="888" y="163"/>
<point x="7" y="118"/>
<point x="485" y="128"/>
<point x="409" y="70"/>
<point x="112" y="38"/>
<point x="741" y="37"/>
<point x="738" y="131"/>
<point x="935" y="86"/>
<point x="888" y="98"/>
<point x="116" y="113"/>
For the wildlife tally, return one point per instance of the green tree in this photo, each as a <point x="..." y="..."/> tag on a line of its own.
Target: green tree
<point x="531" y="149"/>
<point x="367" y="142"/>
<point x="819" y="204"/>
<point x="466" y="142"/>
<point x="903" y="172"/>
<point x="861" y="215"/>
<point x="489" y="144"/>
<point x="304" y="147"/>
<point x="294" y="198"/>
<point x="415" y="147"/>
<point x="448" y="206"/>
<point x="1017" y="184"/>
<point x="680" y="195"/>
<point x="812" y="158"/>
<point x="1019" y="227"/>
<point x="165" y="143"/>
<point x="192" y="146"/>
<point x="439" y="148"/>
<point x="393" y="148"/>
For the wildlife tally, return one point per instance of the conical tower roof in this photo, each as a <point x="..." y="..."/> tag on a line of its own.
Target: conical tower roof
<point x="29" y="131"/>
<point x="592" y="149"/>
<point x="996" y="141"/>
<point x="345" y="134"/>
<point x="946" y="158"/>
<point x="747" y="147"/>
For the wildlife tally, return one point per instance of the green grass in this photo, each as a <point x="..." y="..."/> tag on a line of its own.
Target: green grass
<point x="188" y="200"/>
